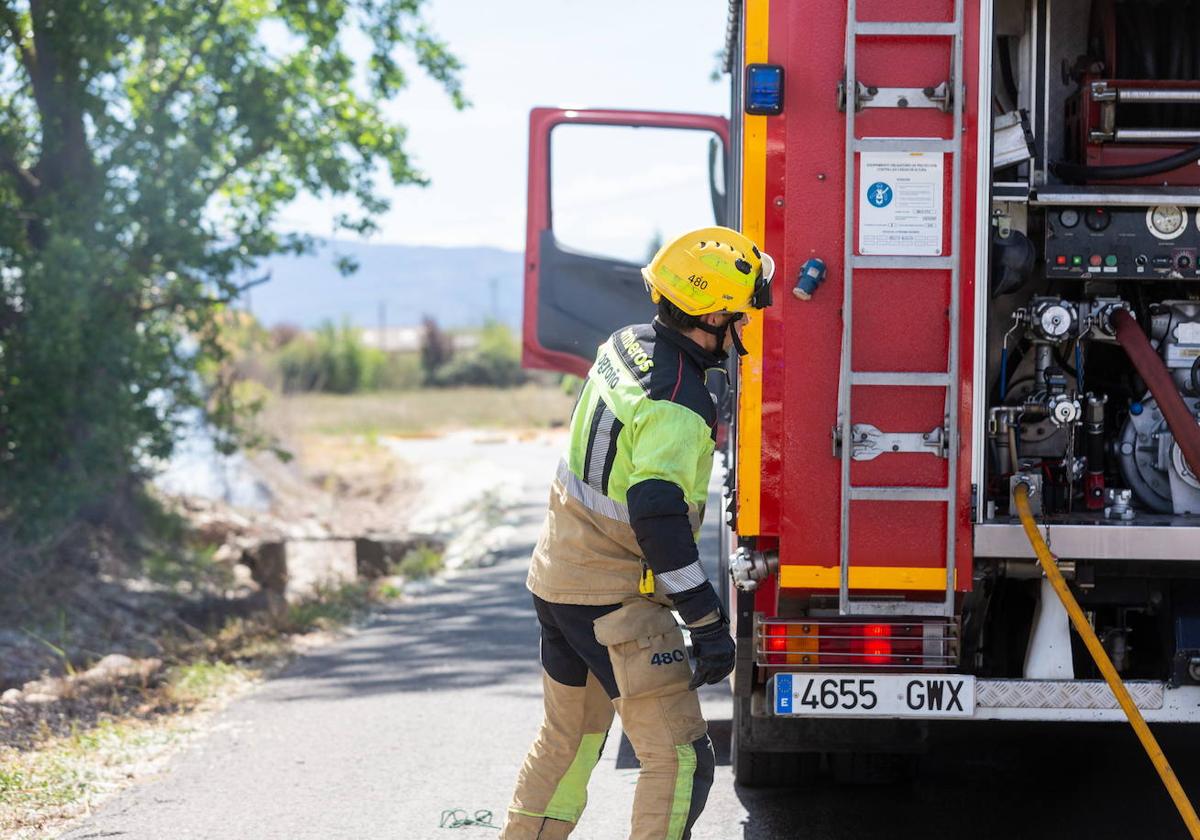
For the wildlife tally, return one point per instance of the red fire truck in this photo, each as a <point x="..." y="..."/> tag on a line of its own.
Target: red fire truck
<point x="1006" y="196"/>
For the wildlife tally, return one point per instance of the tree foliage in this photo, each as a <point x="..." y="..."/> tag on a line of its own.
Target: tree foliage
<point x="437" y="348"/>
<point x="146" y="150"/>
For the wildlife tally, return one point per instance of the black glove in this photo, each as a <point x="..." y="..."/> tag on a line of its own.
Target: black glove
<point x="715" y="653"/>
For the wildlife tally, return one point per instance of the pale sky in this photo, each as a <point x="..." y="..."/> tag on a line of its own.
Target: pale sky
<point x="652" y="54"/>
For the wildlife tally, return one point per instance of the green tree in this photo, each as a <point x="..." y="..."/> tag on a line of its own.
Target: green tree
<point x="437" y="349"/>
<point x="146" y="150"/>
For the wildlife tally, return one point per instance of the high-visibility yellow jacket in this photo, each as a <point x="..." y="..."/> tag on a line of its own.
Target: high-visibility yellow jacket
<point x="628" y="499"/>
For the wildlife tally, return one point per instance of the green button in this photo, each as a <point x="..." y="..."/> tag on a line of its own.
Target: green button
<point x="1110" y="260"/>
<point x="1076" y="260"/>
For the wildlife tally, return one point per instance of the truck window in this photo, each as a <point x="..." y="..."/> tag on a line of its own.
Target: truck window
<point x="618" y="191"/>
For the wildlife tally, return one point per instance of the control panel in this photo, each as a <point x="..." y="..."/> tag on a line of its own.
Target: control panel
<point x="1123" y="243"/>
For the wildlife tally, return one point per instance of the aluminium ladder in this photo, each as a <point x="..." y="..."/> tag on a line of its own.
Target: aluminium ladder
<point x="950" y="98"/>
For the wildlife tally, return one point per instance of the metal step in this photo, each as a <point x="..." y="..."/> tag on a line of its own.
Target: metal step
<point x="928" y="263"/>
<point x="895" y="608"/>
<point x="899" y="494"/>
<point x="904" y="144"/>
<point x="910" y="378"/>
<point x="909" y="29"/>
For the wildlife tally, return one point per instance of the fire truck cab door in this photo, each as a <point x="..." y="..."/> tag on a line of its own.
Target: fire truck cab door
<point x="616" y="193"/>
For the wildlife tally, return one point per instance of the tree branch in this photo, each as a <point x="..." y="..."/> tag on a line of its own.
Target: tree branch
<point x="205" y="29"/>
<point x="25" y="181"/>
<point x="15" y="34"/>
<point x="240" y="162"/>
<point x="233" y="295"/>
<point x="58" y="89"/>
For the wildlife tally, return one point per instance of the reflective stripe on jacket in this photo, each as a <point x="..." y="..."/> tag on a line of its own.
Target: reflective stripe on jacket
<point x="631" y="489"/>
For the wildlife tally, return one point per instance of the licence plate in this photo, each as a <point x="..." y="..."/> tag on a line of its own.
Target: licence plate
<point x="874" y="695"/>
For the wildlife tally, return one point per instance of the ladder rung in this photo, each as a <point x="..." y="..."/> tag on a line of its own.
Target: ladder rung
<point x="887" y="377"/>
<point x="905" y="28"/>
<point x="896" y="608"/>
<point x="900" y="494"/>
<point x="935" y="263"/>
<point x="905" y="144"/>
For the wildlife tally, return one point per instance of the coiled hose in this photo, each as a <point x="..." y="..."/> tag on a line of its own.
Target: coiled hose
<point x="1100" y="656"/>
<point x="1154" y="41"/>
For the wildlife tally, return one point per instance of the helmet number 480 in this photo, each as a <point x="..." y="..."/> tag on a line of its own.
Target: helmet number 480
<point x="698" y="281"/>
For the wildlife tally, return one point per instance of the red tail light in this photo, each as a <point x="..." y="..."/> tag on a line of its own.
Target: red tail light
<point x="776" y="643"/>
<point x="877" y="644"/>
<point x="822" y="643"/>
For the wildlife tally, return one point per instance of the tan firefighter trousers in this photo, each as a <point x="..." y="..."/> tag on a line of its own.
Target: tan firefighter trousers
<point x="595" y="659"/>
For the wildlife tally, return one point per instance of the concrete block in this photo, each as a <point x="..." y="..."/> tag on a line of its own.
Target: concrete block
<point x="313" y="563"/>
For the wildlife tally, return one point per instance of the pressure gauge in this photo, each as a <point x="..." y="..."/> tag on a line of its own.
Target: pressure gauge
<point x="1069" y="217"/>
<point x="1166" y="221"/>
<point x="1097" y="219"/>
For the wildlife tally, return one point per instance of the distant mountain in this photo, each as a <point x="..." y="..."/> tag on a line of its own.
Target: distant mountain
<point x="460" y="287"/>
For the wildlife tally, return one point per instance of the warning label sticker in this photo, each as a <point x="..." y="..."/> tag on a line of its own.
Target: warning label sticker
<point x="900" y="203"/>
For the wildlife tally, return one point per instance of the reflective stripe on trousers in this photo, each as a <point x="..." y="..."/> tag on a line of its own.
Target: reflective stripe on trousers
<point x="659" y="715"/>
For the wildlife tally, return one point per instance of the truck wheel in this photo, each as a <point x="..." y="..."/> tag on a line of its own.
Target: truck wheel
<point x="754" y="769"/>
<point x="858" y="768"/>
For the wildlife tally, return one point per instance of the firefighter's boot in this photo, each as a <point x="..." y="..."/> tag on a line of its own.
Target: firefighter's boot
<point x="552" y="785"/>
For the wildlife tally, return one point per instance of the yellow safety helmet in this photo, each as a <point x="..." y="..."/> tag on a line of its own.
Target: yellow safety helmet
<point x="713" y="269"/>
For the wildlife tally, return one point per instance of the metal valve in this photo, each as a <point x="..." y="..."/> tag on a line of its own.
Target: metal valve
<point x="1118" y="504"/>
<point x="1053" y="319"/>
<point x="747" y="567"/>
<point x="1100" y="314"/>
<point x="1064" y="409"/>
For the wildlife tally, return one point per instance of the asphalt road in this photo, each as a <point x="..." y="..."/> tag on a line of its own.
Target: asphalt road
<point x="432" y="706"/>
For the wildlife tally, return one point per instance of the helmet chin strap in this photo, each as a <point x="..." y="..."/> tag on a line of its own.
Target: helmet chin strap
<point x="720" y="332"/>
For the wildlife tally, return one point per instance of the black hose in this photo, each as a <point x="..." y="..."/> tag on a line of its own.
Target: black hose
<point x="1153" y="41"/>
<point x="1006" y="69"/>
<point x="1175" y="61"/>
<point x="1196" y="376"/>
<point x="1076" y="172"/>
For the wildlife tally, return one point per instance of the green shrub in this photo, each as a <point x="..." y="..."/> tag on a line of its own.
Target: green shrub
<point x="400" y="372"/>
<point x="333" y="360"/>
<point x="496" y="361"/>
<point x="420" y="563"/>
<point x="189" y="684"/>
<point x="328" y="606"/>
<point x="570" y="384"/>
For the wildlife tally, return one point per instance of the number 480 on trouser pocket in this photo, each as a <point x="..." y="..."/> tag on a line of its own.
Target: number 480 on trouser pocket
<point x="667" y="658"/>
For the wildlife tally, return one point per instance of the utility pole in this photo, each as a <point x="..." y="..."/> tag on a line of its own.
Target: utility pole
<point x="383" y="325"/>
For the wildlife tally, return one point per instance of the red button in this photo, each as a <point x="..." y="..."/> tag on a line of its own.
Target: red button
<point x="1094" y="260"/>
<point x="1062" y="259"/>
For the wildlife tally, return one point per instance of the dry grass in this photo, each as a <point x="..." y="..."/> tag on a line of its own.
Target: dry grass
<point x="67" y="773"/>
<point x="425" y="411"/>
<point x="59" y="759"/>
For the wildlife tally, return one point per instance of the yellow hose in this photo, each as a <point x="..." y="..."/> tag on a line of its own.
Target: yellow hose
<point x="1085" y="631"/>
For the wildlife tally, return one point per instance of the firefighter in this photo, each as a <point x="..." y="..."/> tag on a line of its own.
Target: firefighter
<point x="618" y="552"/>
